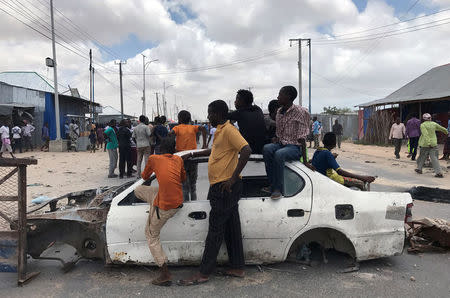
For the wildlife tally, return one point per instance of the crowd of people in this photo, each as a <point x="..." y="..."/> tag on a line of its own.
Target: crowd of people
<point x="21" y="137"/>
<point x="422" y="135"/>
<point x="279" y="137"/>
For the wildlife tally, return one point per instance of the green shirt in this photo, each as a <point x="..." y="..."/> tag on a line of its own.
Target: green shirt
<point x="428" y="133"/>
<point x="112" y="139"/>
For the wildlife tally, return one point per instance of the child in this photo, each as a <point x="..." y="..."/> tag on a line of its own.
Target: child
<point x="325" y="163"/>
<point x="93" y="140"/>
<point x="186" y="139"/>
<point x="164" y="202"/>
<point x="6" y="142"/>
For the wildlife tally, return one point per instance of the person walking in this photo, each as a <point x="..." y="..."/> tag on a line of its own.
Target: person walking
<point x="111" y="146"/>
<point x="141" y="134"/>
<point x="428" y="145"/>
<point x="413" y="133"/>
<point x="6" y="142"/>
<point x="186" y="139"/>
<point x="397" y="133"/>
<point x="164" y="201"/>
<point x="17" y="139"/>
<point x="124" y="138"/>
<point x="45" y="137"/>
<point x="338" y="130"/>
<point x="227" y="158"/>
<point x="27" y="131"/>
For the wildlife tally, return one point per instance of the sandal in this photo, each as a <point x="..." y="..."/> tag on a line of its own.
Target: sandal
<point x="193" y="281"/>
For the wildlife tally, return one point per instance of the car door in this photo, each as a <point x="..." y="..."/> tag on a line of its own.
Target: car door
<point x="182" y="237"/>
<point x="267" y="224"/>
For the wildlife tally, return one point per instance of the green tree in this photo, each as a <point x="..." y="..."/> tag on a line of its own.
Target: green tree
<point x="336" y="111"/>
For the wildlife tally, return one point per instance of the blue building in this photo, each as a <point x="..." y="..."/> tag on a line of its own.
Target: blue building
<point x="30" y="96"/>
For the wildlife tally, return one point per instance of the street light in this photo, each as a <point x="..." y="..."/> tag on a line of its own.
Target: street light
<point x="164" y="97"/>
<point x="144" y="67"/>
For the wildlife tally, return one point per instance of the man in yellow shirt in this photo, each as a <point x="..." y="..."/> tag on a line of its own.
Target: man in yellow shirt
<point x="428" y="145"/>
<point x="224" y="168"/>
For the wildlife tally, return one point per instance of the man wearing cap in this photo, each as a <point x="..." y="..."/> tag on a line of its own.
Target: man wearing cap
<point x="428" y="145"/>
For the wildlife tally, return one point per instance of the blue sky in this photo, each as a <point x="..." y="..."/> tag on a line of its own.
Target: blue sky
<point x="133" y="45"/>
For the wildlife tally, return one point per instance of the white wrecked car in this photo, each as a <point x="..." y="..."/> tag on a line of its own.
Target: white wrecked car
<point x="365" y="225"/>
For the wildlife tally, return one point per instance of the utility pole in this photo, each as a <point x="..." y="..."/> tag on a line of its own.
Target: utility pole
<point x="309" y="80"/>
<point x="164" y="97"/>
<point x="55" y="75"/>
<point x="157" y="104"/>
<point x="120" y="62"/>
<point x="143" y="78"/>
<point x="91" y="88"/>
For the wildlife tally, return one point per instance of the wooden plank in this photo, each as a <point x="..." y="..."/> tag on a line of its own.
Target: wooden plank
<point x="9" y="198"/>
<point x="9" y="175"/>
<point x="22" y="204"/>
<point x="14" y="162"/>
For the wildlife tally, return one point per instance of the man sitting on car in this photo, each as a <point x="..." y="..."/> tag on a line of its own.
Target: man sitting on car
<point x="164" y="202"/>
<point x="325" y="162"/>
<point x="292" y="127"/>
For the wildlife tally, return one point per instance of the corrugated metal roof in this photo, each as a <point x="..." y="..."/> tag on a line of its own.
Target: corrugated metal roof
<point x="433" y="84"/>
<point x="27" y="79"/>
<point x="110" y="111"/>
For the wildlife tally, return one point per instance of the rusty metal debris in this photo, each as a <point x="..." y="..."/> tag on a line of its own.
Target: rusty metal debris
<point x="428" y="234"/>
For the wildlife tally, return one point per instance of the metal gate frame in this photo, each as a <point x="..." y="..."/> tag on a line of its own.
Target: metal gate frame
<point x="20" y="233"/>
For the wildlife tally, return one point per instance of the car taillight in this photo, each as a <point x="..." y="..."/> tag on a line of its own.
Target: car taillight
<point x="408" y="214"/>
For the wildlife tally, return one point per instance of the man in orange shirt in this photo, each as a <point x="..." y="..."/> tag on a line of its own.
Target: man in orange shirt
<point x="186" y="140"/>
<point x="164" y="202"/>
<point x="227" y="158"/>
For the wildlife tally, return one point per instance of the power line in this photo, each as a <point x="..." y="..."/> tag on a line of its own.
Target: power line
<point x="385" y="33"/>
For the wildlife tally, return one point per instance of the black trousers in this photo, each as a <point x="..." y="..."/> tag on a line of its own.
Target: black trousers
<point x="17" y="144"/>
<point x="398" y="146"/>
<point x="224" y="224"/>
<point x="125" y="156"/>
<point x="413" y="144"/>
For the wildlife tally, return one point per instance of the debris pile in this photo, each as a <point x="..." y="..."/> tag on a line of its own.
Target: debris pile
<point x="429" y="234"/>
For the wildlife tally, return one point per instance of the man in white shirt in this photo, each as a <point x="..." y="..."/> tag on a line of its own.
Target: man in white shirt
<point x="27" y="130"/>
<point x="6" y="142"/>
<point x="17" y="139"/>
<point x="212" y="131"/>
<point x="141" y="134"/>
<point x="398" y="132"/>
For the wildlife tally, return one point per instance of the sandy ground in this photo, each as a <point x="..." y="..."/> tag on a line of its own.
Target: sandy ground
<point x="381" y="160"/>
<point x="58" y="173"/>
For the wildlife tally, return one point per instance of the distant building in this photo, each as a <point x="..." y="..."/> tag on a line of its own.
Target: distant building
<point x="429" y="93"/>
<point x="30" y="96"/>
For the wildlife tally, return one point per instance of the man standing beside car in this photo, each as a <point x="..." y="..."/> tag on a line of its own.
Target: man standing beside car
<point x="224" y="168"/>
<point x="164" y="201"/>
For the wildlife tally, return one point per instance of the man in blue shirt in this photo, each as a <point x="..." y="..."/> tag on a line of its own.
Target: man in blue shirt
<point x="111" y="146"/>
<point x="325" y="163"/>
<point x="316" y="131"/>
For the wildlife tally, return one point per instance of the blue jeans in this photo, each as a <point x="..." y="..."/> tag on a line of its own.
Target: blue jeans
<point x="274" y="157"/>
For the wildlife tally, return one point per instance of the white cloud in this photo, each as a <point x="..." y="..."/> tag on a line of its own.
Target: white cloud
<point x="230" y="32"/>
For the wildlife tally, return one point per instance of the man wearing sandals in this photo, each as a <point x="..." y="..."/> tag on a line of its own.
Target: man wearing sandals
<point x="164" y="201"/>
<point x="224" y="168"/>
<point x="428" y="145"/>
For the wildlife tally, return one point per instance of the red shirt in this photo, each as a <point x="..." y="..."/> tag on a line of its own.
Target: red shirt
<point x="169" y="170"/>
